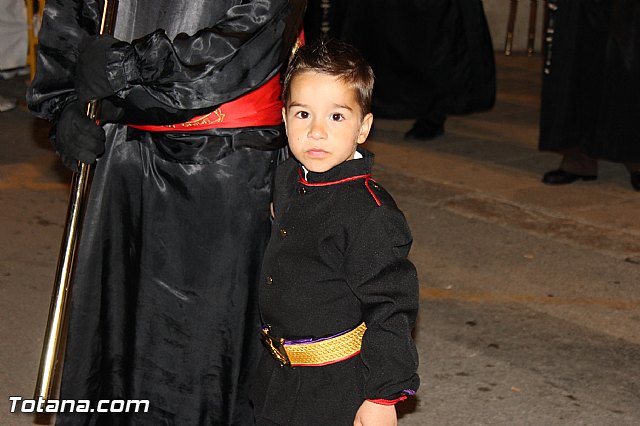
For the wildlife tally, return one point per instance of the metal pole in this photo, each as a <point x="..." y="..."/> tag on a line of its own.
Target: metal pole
<point x="531" y="38"/>
<point x="513" y="10"/>
<point x="64" y="271"/>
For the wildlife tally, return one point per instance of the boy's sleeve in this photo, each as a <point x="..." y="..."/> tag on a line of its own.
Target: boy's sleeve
<point x="386" y="283"/>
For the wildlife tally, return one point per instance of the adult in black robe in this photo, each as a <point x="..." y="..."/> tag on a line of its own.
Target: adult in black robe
<point x="591" y="88"/>
<point x="163" y="303"/>
<point x="431" y="58"/>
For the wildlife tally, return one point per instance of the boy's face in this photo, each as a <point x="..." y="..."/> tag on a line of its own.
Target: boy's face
<point x="324" y="121"/>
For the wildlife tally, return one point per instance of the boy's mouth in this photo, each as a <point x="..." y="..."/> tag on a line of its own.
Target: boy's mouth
<point x="317" y="152"/>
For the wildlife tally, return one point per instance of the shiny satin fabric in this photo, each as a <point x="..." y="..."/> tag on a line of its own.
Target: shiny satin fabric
<point x="591" y="87"/>
<point x="433" y="55"/>
<point x="163" y="300"/>
<point x="227" y="48"/>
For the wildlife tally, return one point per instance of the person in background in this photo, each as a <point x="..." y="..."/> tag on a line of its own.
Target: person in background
<point x="13" y="46"/>
<point x="431" y="58"/>
<point x="324" y="19"/>
<point x="164" y="304"/>
<point x="590" y="107"/>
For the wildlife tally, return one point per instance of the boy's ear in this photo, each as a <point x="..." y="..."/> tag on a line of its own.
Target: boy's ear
<point x="365" y="128"/>
<point x="284" y="119"/>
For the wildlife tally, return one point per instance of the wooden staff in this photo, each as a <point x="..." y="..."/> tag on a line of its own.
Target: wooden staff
<point x="64" y="272"/>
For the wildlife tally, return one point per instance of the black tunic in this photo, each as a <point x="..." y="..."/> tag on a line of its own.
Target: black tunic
<point x="591" y="84"/>
<point x="428" y="56"/>
<point x="163" y="303"/>
<point x="335" y="259"/>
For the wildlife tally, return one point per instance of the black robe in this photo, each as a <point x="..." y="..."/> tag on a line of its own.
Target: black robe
<point x="591" y="80"/>
<point x="324" y="18"/>
<point x="163" y="304"/>
<point x="337" y="257"/>
<point x="428" y="56"/>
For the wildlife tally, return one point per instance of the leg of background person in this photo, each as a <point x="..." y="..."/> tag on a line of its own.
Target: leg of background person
<point x="574" y="161"/>
<point x="634" y="174"/>
<point x="427" y="127"/>
<point x="7" y="104"/>
<point x="575" y="165"/>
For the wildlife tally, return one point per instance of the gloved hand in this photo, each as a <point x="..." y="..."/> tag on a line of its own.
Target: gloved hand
<point x="76" y="137"/>
<point x="91" y="69"/>
<point x="109" y="112"/>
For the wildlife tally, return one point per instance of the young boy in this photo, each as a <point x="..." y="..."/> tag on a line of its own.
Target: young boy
<point x="338" y="297"/>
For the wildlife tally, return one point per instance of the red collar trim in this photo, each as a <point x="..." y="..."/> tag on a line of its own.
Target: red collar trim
<point x="335" y="182"/>
<point x="367" y="179"/>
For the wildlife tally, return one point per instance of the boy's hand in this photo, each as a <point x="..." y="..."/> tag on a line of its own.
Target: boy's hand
<point x="372" y="414"/>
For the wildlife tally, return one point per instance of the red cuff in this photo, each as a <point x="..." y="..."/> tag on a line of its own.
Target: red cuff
<point x="388" y="401"/>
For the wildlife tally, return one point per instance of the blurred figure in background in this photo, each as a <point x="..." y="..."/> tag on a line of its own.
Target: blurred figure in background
<point x="431" y="58"/>
<point x="13" y="45"/>
<point x="7" y="104"/>
<point x="324" y="18"/>
<point x="591" y="88"/>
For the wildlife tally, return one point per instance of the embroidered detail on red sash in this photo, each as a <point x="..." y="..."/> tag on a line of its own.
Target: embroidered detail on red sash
<point x="261" y="107"/>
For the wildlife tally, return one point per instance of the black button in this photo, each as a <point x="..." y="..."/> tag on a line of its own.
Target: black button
<point x="302" y="190"/>
<point x="269" y="280"/>
<point x="283" y="232"/>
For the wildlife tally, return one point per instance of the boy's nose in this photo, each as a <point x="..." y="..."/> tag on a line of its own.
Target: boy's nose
<point x="317" y="130"/>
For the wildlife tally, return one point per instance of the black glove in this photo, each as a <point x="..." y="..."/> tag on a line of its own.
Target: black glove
<point x="91" y="69"/>
<point x="76" y="137"/>
<point x="110" y="111"/>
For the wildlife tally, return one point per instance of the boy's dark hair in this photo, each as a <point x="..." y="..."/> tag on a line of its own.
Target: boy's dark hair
<point x="335" y="58"/>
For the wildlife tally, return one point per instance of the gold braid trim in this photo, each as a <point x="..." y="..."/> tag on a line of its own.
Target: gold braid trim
<point x="327" y="351"/>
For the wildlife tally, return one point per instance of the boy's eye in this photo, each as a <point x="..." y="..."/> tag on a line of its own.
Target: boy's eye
<point x="302" y="114"/>
<point x="337" y="117"/>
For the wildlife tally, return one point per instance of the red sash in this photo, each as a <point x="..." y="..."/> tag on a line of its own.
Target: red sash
<point x="261" y="107"/>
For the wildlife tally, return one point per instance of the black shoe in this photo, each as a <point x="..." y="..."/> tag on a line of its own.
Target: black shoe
<point x="635" y="180"/>
<point x="424" y="131"/>
<point x="560" y="177"/>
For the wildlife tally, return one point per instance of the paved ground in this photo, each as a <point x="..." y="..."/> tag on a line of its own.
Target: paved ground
<point x="530" y="294"/>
